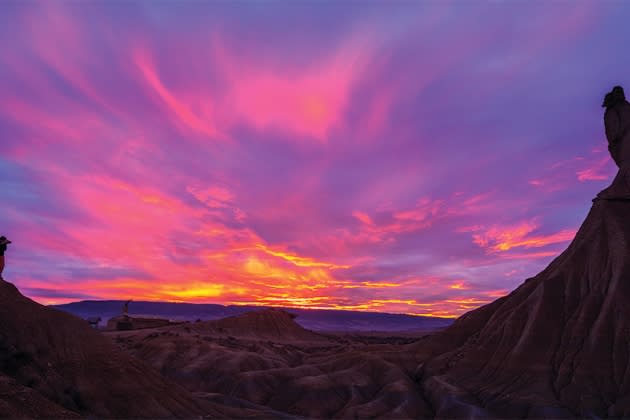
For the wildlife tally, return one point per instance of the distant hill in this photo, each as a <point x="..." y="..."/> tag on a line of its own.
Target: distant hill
<point x="270" y="324"/>
<point x="312" y="319"/>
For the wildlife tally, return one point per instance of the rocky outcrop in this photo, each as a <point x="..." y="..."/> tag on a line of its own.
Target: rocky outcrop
<point x="60" y="363"/>
<point x="559" y="345"/>
<point x="274" y="324"/>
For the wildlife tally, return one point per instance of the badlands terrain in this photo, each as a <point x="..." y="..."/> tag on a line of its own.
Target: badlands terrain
<point x="556" y="347"/>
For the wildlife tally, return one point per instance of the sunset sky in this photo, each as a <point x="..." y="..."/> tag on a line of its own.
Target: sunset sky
<point x="423" y="157"/>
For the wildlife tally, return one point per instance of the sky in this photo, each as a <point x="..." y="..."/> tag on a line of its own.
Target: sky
<point x="421" y="157"/>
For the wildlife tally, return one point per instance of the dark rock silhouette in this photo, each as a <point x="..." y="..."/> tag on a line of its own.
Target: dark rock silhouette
<point x="559" y="345"/>
<point x="125" y="309"/>
<point x="3" y="247"/>
<point x="617" y="126"/>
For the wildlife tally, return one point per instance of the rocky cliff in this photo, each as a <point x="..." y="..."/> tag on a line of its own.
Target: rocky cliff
<point x="558" y="345"/>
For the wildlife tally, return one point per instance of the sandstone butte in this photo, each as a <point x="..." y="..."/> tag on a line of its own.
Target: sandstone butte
<point x="557" y="346"/>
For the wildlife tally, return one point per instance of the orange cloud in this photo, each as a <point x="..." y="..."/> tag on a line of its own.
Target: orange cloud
<point x="379" y="284"/>
<point x="458" y="285"/>
<point x="297" y="260"/>
<point x="504" y="238"/>
<point x="363" y="217"/>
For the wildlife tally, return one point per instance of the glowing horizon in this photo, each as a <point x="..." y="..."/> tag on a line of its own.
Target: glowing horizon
<point x="422" y="158"/>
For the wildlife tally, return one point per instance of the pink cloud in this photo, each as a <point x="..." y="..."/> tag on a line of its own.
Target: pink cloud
<point x="504" y="238"/>
<point x="598" y="171"/>
<point x="213" y="196"/>
<point x="180" y="110"/>
<point x="421" y="216"/>
<point x="363" y="218"/>
<point x="308" y="102"/>
<point x="425" y="208"/>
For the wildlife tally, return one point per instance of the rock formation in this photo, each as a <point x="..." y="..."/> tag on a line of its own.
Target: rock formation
<point x="274" y="324"/>
<point x="557" y="346"/>
<point x="57" y="366"/>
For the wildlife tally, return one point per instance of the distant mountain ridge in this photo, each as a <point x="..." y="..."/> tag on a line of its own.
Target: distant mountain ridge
<point x="312" y="319"/>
